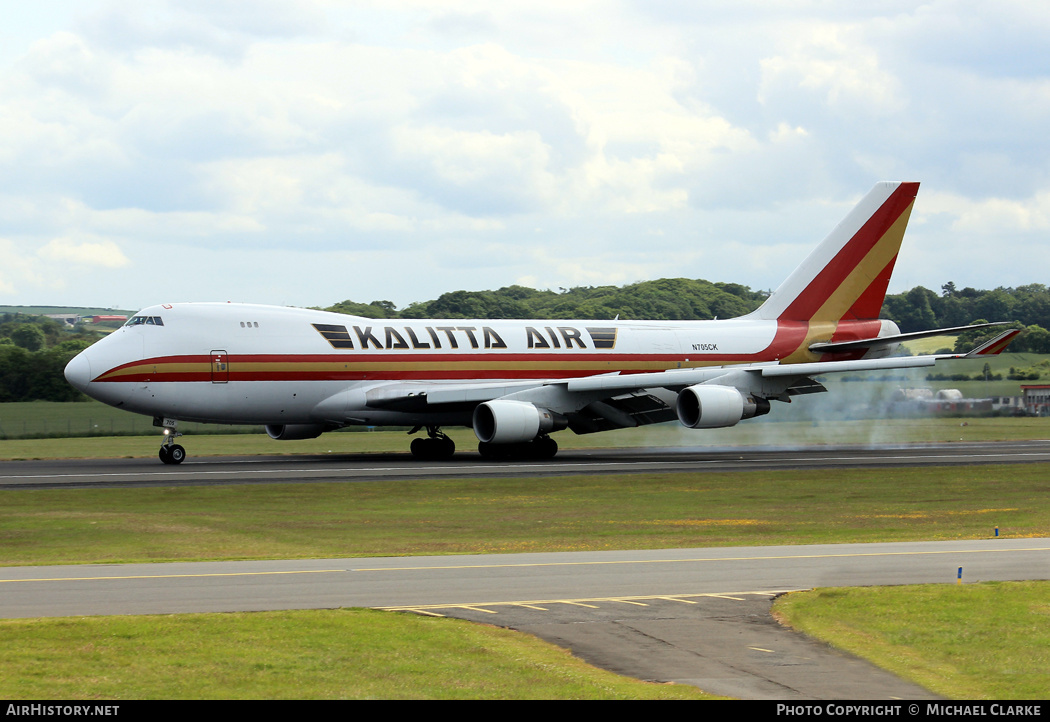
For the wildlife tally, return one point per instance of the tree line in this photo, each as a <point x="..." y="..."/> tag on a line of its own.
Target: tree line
<point x="662" y="299"/>
<point x="919" y="309"/>
<point x="1027" y="307"/>
<point x="34" y="349"/>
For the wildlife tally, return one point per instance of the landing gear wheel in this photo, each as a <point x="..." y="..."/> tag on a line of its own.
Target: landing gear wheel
<point x="543" y="447"/>
<point x="435" y="448"/>
<point x="418" y="447"/>
<point x="172" y="454"/>
<point x="178" y="454"/>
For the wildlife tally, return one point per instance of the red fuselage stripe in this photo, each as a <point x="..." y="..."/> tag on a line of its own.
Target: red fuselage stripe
<point x="360" y="366"/>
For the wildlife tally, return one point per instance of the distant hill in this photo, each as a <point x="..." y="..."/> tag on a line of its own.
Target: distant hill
<point x="665" y="298"/>
<point x="79" y="310"/>
<point x="1027" y="306"/>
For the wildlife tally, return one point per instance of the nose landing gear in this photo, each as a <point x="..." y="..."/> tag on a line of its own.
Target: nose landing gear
<point x="170" y="452"/>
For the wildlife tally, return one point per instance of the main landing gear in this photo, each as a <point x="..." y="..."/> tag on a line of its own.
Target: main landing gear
<point x="438" y="447"/>
<point x="434" y="448"/>
<point x="170" y="452"/>
<point x="542" y="447"/>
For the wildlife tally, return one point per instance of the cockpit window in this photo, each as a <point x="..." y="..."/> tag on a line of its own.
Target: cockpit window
<point x="149" y="320"/>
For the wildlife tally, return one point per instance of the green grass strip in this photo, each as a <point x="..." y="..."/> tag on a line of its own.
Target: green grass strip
<point x="763" y="431"/>
<point x="325" y="654"/>
<point x="477" y="516"/>
<point x="969" y="641"/>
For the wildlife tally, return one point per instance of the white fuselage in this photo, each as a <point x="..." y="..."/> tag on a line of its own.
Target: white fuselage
<point x="238" y="363"/>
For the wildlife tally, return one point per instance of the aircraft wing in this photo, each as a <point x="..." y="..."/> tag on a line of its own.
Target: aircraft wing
<point x="619" y="400"/>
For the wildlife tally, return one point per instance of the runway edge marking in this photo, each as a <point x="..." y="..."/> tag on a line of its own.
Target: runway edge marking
<point x="428" y="609"/>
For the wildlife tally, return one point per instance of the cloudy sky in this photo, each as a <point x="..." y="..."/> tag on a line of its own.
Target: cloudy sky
<point x="307" y="152"/>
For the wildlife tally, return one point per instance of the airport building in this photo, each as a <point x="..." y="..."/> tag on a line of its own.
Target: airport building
<point x="1036" y="399"/>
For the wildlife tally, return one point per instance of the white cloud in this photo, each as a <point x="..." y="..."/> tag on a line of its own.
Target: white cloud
<point x="100" y="253"/>
<point x="15" y="268"/>
<point x="434" y="138"/>
<point x="995" y="215"/>
<point x="991" y="216"/>
<point x="833" y="61"/>
<point x="56" y="264"/>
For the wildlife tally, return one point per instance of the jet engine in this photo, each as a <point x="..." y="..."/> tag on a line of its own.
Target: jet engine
<point x="295" y="432"/>
<point x="711" y="407"/>
<point x="506" y="422"/>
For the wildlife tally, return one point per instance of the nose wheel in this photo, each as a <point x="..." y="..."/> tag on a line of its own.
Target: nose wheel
<point x="173" y="454"/>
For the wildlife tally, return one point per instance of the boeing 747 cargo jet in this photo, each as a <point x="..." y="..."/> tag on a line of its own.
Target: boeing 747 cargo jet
<point x="301" y="372"/>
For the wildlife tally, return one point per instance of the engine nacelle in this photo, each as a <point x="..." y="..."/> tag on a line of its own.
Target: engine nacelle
<point x="712" y="407"/>
<point x="507" y="422"/>
<point x="295" y="432"/>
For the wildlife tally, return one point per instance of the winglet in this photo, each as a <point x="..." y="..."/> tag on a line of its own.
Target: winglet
<point x="996" y="346"/>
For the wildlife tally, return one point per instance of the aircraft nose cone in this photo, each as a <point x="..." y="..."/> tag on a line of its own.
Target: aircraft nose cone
<point x="78" y="371"/>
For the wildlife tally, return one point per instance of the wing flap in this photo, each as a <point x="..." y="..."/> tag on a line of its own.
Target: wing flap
<point x="832" y="367"/>
<point x="672" y="379"/>
<point x="622" y="412"/>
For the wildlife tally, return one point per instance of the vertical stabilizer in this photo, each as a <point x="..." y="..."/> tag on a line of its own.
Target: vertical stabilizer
<point x="846" y="277"/>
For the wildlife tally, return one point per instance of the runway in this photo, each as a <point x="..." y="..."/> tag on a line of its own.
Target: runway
<point x="100" y="473"/>
<point x="696" y="616"/>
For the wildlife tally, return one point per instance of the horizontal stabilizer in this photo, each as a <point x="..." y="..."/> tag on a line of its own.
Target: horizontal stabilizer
<point x="996" y="346"/>
<point x="897" y="338"/>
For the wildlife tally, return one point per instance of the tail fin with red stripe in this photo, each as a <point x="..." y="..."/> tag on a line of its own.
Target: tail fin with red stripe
<point x="846" y="277"/>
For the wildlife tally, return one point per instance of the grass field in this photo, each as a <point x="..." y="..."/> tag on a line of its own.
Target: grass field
<point x="974" y="641"/>
<point x="763" y="431"/>
<point x="315" y="654"/>
<point x="87" y="418"/>
<point x="477" y="516"/>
